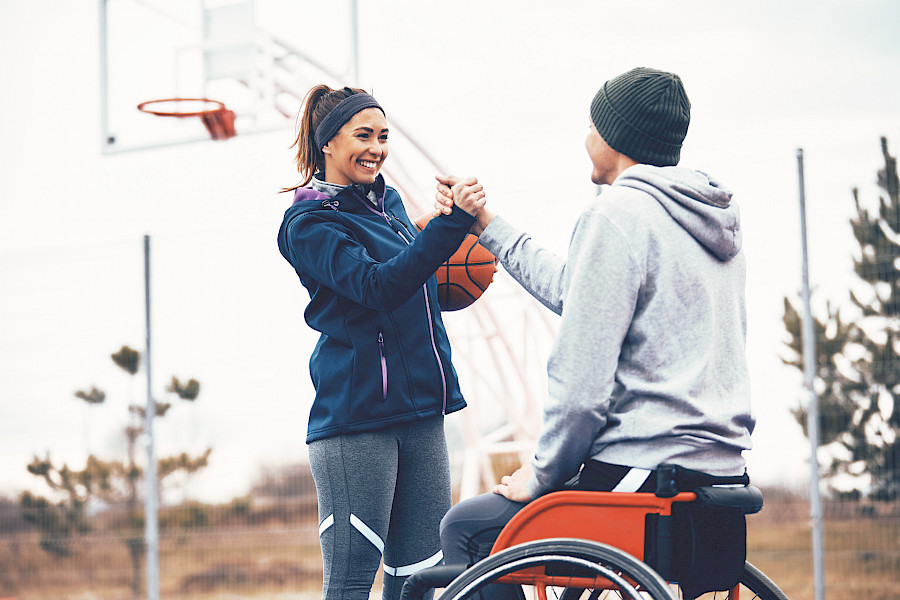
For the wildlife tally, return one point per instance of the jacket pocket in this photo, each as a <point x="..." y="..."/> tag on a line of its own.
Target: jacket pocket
<point x="384" y="369"/>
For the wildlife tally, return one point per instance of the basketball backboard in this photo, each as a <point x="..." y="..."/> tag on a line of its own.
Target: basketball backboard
<point x="245" y="54"/>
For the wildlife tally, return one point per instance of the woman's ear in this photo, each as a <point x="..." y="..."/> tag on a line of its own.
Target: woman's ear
<point x="326" y="149"/>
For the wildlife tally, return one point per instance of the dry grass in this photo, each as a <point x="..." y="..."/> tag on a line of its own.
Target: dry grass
<point x="199" y="566"/>
<point x="862" y="553"/>
<point x="283" y="561"/>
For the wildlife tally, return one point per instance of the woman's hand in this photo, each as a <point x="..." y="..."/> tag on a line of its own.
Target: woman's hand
<point x="443" y="198"/>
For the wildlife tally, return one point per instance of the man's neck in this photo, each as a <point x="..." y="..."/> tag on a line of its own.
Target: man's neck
<point x="621" y="164"/>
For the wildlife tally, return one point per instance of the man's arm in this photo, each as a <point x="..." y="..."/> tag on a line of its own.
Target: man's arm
<point x="603" y="286"/>
<point x="541" y="272"/>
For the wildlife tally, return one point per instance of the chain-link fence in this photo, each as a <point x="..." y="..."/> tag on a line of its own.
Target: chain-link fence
<point x="238" y="514"/>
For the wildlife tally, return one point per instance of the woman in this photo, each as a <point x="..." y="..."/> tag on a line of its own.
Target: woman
<point x="381" y="367"/>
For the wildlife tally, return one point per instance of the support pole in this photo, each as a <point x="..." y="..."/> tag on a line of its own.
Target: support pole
<point x="103" y="76"/>
<point x="151" y="528"/>
<point x="812" y="413"/>
<point x="354" y="41"/>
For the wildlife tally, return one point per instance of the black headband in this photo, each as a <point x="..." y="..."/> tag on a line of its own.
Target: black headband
<point x="342" y="113"/>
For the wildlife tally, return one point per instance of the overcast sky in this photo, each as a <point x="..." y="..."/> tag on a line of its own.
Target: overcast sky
<point x="498" y="89"/>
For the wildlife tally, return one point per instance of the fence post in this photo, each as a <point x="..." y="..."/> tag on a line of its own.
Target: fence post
<point x="812" y="413"/>
<point x="151" y="530"/>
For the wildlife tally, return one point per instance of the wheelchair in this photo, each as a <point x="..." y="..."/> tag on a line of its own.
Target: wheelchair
<point x="686" y="540"/>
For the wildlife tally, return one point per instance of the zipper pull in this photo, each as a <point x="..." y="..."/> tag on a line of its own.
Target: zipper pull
<point x="331" y="203"/>
<point x="384" y="380"/>
<point x="402" y="224"/>
<point x="396" y="224"/>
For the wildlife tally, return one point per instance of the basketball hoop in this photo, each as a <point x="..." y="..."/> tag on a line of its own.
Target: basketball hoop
<point x="219" y="121"/>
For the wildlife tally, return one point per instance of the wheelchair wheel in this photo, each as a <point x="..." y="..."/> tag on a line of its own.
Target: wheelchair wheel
<point x="561" y="568"/>
<point x="754" y="586"/>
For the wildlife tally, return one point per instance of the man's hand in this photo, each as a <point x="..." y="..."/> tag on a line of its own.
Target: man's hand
<point x="468" y="195"/>
<point x="452" y="190"/>
<point x="515" y="487"/>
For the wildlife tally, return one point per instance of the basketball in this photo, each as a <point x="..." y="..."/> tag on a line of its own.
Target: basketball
<point x="465" y="275"/>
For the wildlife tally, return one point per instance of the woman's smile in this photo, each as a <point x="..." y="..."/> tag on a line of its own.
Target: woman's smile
<point x="356" y="153"/>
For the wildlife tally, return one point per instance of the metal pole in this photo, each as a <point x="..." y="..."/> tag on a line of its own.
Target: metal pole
<point x="812" y="413"/>
<point x="103" y="76"/>
<point x="151" y="530"/>
<point x="354" y="42"/>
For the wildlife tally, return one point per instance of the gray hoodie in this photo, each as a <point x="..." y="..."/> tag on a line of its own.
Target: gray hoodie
<point x="649" y="364"/>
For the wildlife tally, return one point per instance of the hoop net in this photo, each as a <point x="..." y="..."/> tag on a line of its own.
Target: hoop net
<point x="218" y="120"/>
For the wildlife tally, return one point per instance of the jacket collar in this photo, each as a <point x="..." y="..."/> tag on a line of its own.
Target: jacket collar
<point x="373" y="193"/>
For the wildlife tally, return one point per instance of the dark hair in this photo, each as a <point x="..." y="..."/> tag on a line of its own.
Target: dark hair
<point x="319" y="101"/>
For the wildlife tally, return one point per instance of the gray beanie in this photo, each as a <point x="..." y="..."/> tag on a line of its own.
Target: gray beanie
<point x="644" y="114"/>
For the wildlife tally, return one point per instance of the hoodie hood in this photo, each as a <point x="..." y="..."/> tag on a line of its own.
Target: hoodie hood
<point x="305" y="200"/>
<point x="696" y="201"/>
<point x="350" y="198"/>
<point x="307" y="194"/>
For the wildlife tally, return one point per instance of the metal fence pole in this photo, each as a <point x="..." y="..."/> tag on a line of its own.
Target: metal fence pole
<point x="354" y="41"/>
<point x="151" y="531"/>
<point x="103" y="76"/>
<point x="812" y="413"/>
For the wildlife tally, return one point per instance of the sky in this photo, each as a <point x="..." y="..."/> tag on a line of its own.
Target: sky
<point x="495" y="89"/>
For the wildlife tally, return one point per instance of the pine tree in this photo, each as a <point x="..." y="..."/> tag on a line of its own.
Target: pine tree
<point x="857" y="365"/>
<point x="112" y="482"/>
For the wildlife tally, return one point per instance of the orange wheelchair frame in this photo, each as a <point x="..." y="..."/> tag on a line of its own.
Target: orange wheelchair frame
<point x="613" y="518"/>
<point x="611" y="541"/>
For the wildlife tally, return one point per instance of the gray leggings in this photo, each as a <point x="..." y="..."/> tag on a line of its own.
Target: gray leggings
<point x="380" y="493"/>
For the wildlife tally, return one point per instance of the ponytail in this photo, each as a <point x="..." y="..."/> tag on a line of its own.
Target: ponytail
<point x="319" y="101"/>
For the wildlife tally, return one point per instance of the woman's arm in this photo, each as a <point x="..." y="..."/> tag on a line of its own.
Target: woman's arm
<point x="323" y="249"/>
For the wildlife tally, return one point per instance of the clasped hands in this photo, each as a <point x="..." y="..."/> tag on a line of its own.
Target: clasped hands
<point x="467" y="194"/>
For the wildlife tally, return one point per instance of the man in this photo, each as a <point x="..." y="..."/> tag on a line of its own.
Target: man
<point x="649" y="366"/>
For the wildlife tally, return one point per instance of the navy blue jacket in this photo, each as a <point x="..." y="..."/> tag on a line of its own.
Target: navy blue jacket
<point x="383" y="356"/>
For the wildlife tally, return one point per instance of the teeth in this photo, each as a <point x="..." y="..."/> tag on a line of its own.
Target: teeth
<point x="367" y="164"/>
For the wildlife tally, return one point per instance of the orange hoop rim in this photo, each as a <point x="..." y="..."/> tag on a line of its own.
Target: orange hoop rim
<point x="220" y="106"/>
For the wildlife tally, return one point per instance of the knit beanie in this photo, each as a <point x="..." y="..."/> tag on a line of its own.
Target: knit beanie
<point x="644" y="114"/>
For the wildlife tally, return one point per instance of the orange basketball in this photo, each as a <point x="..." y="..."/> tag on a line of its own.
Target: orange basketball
<point x="465" y="275"/>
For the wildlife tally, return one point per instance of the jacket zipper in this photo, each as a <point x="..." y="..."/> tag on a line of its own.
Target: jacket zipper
<point x="384" y="371"/>
<point x="436" y="355"/>
<point x="403" y="225"/>
<point x="434" y="349"/>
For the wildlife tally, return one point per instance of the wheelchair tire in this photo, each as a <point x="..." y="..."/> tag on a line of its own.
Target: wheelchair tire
<point x="758" y="585"/>
<point x="631" y="577"/>
<point x="754" y="586"/>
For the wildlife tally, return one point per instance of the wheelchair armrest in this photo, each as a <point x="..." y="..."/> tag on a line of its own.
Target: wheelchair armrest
<point x="748" y="498"/>
<point x="671" y="479"/>
<point x="418" y="583"/>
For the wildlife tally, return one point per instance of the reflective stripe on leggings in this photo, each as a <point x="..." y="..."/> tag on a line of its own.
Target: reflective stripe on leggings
<point x="326" y="523"/>
<point x="415" y="567"/>
<point x="367" y="532"/>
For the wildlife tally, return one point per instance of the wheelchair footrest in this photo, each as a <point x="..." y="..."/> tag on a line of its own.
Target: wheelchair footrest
<point x="418" y="583"/>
